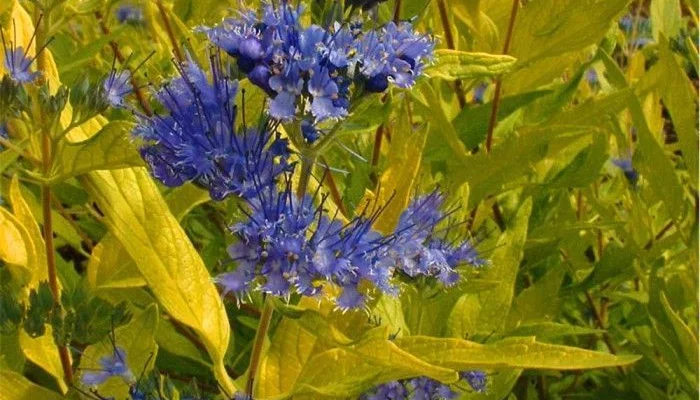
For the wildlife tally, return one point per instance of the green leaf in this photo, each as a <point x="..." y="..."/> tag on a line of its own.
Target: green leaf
<point x="551" y="330"/>
<point x="471" y="123"/>
<point x="584" y="169"/>
<point x="43" y="352"/>
<point x="138" y="216"/>
<point x="688" y="342"/>
<point x="16" y="387"/>
<point x="110" y="148"/>
<point x="350" y="370"/>
<point x="295" y="341"/>
<point x="454" y="64"/>
<point x="110" y="266"/>
<point x="666" y="18"/>
<point x="655" y="166"/>
<point x="523" y="353"/>
<point x="539" y="302"/>
<point x="486" y="311"/>
<point x="681" y="99"/>
<point x="545" y="29"/>
<point x="138" y="341"/>
<point x="33" y="239"/>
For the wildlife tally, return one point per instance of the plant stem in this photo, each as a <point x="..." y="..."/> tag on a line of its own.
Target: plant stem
<point x="169" y="31"/>
<point x="497" y="90"/>
<point x="307" y="163"/>
<point x="46" y="157"/>
<point x="378" y="135"/>
<point x="333" y="188"/>
<point x="258" y="342"/>
<point x="397" y="11"/>
<point x="450" y="41"/>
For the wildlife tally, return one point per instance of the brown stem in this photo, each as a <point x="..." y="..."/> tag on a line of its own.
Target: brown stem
<point x="659" y="235"/>
<point x="376" y="151"/>
<point x="579" y="205"/>
<point x="397" y="11"/>
<point x="450" y="41"/>
<point x="542" y="387"/>
<point x="185" y="331"/>
<point x="498" y="216"/>
<point x="258" y="342"/>
<point x="169" y="31"/>
<point x="140" y="96"/>
<point x="600" y="323"/>
<point x="46" y="157"/>
<point x="497" y="90"/>
<point x="307" y="164"/>
<point x="333" y="188"/>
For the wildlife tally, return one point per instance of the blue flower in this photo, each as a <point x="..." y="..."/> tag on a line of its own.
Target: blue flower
<point x="116" y="86"/>
<point x="3" y="134"/>
<point x="625" y="164"/>
<point x="17" y="64"/>
<point x="325" y="93"/>
<point x="196" y="139"/>
<point x="309" y="131"/>
<point x="113" y="365"/>
<point x="479" y="93"/>
<point x="476" y="379"/>
<point x="592" y="77"/>
<point x="129" y="14"/>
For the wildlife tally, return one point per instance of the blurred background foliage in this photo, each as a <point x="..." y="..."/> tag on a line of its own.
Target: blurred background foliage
<point x="585" y="200"/>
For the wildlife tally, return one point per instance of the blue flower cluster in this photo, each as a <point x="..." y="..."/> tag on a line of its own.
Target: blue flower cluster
<point x="637" y="29"/>
<point x="288" y="245"/>
<point x="423" y="388"/>
<point x="196" y="139"/>
<point x="417" y="249"/>
<point x="310" y="70"/>
<point x="129" y="14"/>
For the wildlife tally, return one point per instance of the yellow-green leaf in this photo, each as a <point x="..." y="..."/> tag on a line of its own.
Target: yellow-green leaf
<point x="14" y="386"/>
<point x="454" y="64"/>
<point x="349" y="370"/>
<point x="403" y="162"/>
<point x="523" y="353"/>
<point x="12" y="247"/>
<point x="110" y="148"/>
<point x="43" y="352"/>
<point x="138" y="216"/>
<point x="487" y="310"/>
<point x="34" y="241"/>
<point x="110" y="266"/>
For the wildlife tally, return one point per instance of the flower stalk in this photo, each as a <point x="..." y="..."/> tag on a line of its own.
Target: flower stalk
<point x="46" y="195"/>
<point x="263" y="327"/>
